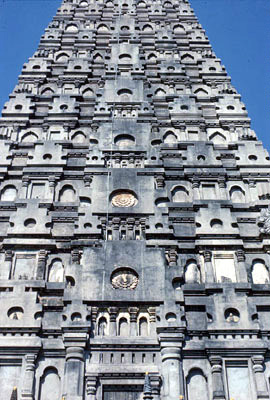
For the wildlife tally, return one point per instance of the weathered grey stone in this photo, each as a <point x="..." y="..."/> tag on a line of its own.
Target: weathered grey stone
<point x="134" y="215"/>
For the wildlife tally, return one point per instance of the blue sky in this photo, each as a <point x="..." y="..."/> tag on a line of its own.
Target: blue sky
<point x="239" y="31"/>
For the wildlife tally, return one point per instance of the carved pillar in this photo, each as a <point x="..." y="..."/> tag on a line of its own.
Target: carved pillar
<point x="209" y="272"/>
<point x="172" y="257"/>
<point x="133" y="312"/>
<point x="173" y="385"/>
<point x="113" y="314"/>
<point x="258" y="369"/>
<point x="152" y="320"/>
<point x="7" y="267"/>
<point x="74" y="373"/>
<point x="217" y="379"/>
<point x="155" y="383"/>
<point x="160" y="182"/>
<point x="130" y="228"/>
<point x="29" y="377"/>
<point x="41" y="264"/>
<point x="196" y="188"/>
<point x="94" y="321"/>
<point x="25" y="184"/>
<point x="116" y="226"/>
<point x="252" y="190"/>
<point x="242" y="272"/>
<point x="222" y="188"/>
<point x="52" y="184"/>
<point x="88" y="180"/>
<point x="75" y="256"/>
<point x="91" y="387"/>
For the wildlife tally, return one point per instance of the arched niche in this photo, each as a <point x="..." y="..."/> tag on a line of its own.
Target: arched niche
<point x="62" y="57"/>
<point x="47" y="91"/>
<point x="123" y="327"/>
<point x="179" y="29"/>
<point x="147" y="28"/>
<point x="67" y="194"/>
<point x="87" y="92"/>
<point x="143" y="327"/>
<point x="201" y="92"/>
<point x="78" y="137"/>
<point x="98" y="58"/>
<point x="187" y="57"/>
<point x="259" y="272"/>
<point x="192" y="272"/>
<point x="180" y="194"/>
<point x="162" y="202"/>
<point x="217" y="138"/>
<point x="152" y="57"/>
<point x="124" y="140"/>
<point x="169" y="137"/>
<point x="160" y="93"/>
<point x="85" y="201"/>
<point x="50" y="385"/>
<point x="125" y="57"/>
<point x="9" y="193"/>
<point x="125" y="94"/>
<point x="102" y="326"/>
<point x="102" y="28"/>
<point x="29" y="137"/>
<point x="197" y="385"/>
<point x="72" y="28"/>
<point x="56" y="271"/>
<point x="237" y="194"/>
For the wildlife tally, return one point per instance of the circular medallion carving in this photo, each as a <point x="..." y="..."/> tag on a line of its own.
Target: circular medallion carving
<point x="124" y="198"/>
<point x="124" y="278"/>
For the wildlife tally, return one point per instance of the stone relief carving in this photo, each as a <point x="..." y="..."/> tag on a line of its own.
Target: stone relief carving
<point x="265" y="220"/>
<point x="124" y="199"/>
<point x="124" y="278"/>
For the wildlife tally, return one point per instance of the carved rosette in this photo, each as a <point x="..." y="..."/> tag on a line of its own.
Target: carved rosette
<point x="265" y="220"/>
<point x="124" y="278"/>
<point x="124" y="199"/>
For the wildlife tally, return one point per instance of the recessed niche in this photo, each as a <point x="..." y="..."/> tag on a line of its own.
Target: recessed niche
<point x="170" y="317"/>
<point x="216" y="223"/>
<point x="76" y="317"/>
<point x="232" y="315"/>
<point x="30" y="223"/>
<point x="15" y="313"/>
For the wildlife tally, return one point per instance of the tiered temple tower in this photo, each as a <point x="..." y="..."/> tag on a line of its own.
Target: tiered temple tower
<point x="134" y="215"/>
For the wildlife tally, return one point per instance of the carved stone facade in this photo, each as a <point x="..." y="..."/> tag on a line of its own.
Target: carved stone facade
<point x="134" y="215"/>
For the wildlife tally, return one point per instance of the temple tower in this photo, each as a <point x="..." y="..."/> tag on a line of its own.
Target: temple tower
<point x="134" y="215"/>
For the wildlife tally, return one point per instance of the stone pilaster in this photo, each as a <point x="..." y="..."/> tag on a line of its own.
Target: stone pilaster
<point x="260" y="382"/>
<point x="208" y="266"/>
<point x="217" y="378"/>
<point x="91" y="387"/>
<point x="172" y="373"/>
<point x="242" y="272"/>
<point x="113" y="314"/>
<point x="41" y="264"/>
<point x="29" y="377"/>
<point x="196" y="188"/>
<point x="7" y="267"/>
<point x="133" y="312"/>
<point x="74" y="373"/>
<point x="152" y="320"/>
